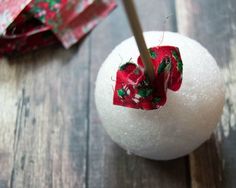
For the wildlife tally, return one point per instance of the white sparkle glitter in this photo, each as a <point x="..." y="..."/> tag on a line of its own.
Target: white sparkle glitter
<point x="189" y="116"/>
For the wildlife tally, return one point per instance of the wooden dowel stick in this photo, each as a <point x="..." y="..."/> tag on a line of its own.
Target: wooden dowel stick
<point x="138" y="34"/>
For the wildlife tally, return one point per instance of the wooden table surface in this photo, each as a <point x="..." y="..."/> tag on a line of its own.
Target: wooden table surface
<point x="50" y="132"/>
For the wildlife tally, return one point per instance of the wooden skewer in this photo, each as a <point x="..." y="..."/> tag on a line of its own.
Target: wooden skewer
<point x="138" y="34"/>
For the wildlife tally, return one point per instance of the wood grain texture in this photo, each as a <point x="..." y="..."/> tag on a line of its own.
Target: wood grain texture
<point x="206" y="165"/>
<point x="213" y="23"/>
<point x="110" y="166"/>
<point x="43" y="132"/>
<point x="50" y="132"/>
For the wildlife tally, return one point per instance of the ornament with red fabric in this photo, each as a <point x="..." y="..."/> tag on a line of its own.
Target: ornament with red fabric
<point x="133" y="88"/>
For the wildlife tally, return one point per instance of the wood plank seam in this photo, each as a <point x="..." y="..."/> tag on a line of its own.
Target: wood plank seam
<point x="88" y="114"/>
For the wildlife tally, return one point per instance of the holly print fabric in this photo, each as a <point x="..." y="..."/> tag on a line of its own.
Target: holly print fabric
<point x="71" y="19"/>
<point x="30" y="24"/>
<point x="133" y="89"/>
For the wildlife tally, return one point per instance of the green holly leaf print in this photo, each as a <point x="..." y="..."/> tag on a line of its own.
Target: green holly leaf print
<point x="121" y="93"/>
<point x="165" y="65"/>
<point x="161" y="67"/>
<point x="36" y="9"/>
<point x="122" y="67"/>
<point x="175" y="55"/>
<point x="180" y="66"/>
<point x="179" y="62"/>
<point x="145" y="92"/>
<point x="42" y="18"/>
<point x="156" y="99"/>
<point x="152" y="53"/>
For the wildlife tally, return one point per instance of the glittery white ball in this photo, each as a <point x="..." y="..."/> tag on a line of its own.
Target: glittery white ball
<point x="187" y="119"/>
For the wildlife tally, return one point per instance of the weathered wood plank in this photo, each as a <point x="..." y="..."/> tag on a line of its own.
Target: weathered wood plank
<point x="213" y="23"/>
<point x="206" y="165"/>
<point x="43" y="121"/>
<point x="110" y="166"/>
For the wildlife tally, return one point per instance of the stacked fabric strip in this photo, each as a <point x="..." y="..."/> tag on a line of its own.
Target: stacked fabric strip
<point x="30" y="24"/>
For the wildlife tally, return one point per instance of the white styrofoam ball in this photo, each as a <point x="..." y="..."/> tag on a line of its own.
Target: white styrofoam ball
<point x="187" y="119"/>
